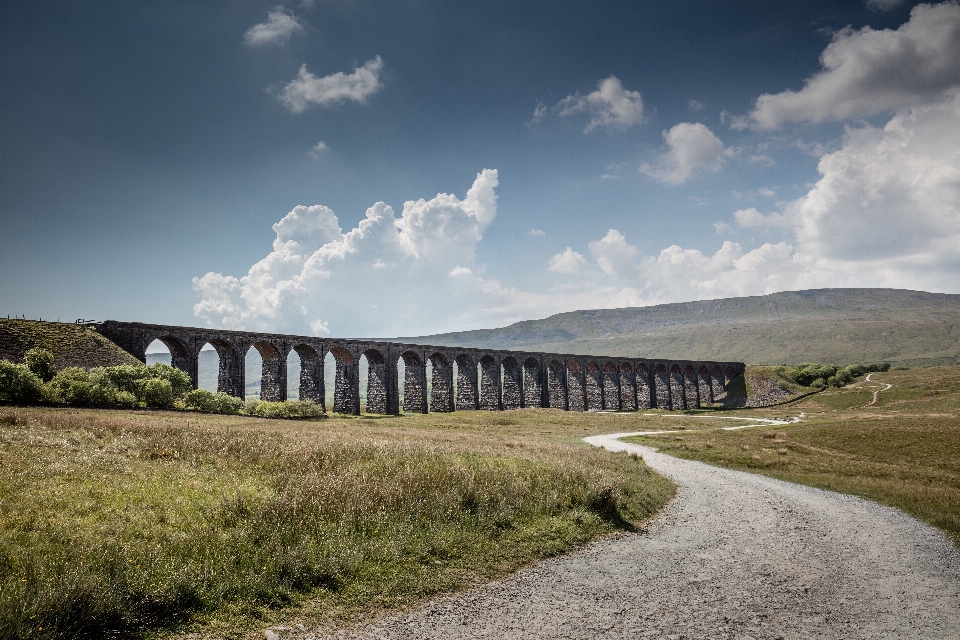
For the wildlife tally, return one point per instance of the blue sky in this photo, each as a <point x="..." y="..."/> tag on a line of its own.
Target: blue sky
<point x="358" y="168"/>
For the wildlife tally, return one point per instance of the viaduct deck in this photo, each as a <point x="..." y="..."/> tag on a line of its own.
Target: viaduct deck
<point x="488" y="379"/>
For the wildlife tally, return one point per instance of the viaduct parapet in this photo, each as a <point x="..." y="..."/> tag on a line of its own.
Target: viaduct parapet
<point x="488" y="379"/>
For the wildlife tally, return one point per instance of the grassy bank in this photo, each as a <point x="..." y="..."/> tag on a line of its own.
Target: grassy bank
<point x="904" y="451"/>
<point x="124" y="523"/>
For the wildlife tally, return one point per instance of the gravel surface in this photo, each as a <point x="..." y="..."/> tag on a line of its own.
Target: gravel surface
<point x="735" y="555"/>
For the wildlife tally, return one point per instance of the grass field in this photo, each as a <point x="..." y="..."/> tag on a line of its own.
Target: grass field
<point x="904" y="451"/>
<point x="118" y="523"/>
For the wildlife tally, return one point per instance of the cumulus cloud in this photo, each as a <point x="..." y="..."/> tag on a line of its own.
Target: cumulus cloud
<point x="690" y="147"/>
<point x="336" y="88"/>
<point x="867" y="72"/>
<point x="568" y="261"/>
<point x="610" y="106"/>
<point x="753" y="218"/>
<point x="280" y="25"/>
<point x="536" y="233"/>
<point x="316" y="274"/>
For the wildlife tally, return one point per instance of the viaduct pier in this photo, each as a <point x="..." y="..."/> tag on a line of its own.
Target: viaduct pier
<point x="489" y="379"/>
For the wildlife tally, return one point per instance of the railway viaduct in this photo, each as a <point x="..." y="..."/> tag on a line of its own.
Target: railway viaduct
<point x="488" y="379"/>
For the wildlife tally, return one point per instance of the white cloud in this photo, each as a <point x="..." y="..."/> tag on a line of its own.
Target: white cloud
<point x="722" y="228"/>
<point x="316" y="273"/>
<point x="536" y="233"/>
<point x="610" y="106"/>
<point x="319" y="148"/>
<point x="614" y="256"/>
<point x="280" y="25"/>
<point x="694" y="105"/>
<point x="768" y="192"/>
<point x="690" y="147"/>
<point x="867" y="72"/>
<point x="568" y="261"/>
<point x="884" y="213"/>
<point x="753" y="218"/>
<point x="883" y="5"/>
<point x="339" y="87"/>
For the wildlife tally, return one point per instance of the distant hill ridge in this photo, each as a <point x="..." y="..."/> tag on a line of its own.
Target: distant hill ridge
<point x="829" y="325"/>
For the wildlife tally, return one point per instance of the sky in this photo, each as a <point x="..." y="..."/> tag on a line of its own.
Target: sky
<point x="377" y="169"/>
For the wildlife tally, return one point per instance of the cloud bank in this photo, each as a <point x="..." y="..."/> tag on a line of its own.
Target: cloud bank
<point x="867" y="72"/>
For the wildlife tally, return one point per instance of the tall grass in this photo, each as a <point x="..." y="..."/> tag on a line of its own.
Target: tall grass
<point x="121" y="525"/>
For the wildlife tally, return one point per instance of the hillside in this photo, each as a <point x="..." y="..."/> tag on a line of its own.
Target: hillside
<point x="71" y="345"/>
<point x="820" y="325"/>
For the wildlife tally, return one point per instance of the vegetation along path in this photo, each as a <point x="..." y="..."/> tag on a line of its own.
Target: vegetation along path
<point x="735" y="555"/>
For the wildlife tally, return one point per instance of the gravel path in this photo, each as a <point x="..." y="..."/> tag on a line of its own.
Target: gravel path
<point x="735" y="555"/>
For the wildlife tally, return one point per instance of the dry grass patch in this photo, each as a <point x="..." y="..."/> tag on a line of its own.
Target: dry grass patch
<point x="117" y="523"/>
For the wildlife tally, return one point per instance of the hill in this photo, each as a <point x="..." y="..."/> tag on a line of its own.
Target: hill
<point x="843" y="326"/>
<point x="71" y="345"/>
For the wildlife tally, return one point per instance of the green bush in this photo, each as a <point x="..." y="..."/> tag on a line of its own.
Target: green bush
<point x="808" y="373"/>
<point x="180" y="382"/>
<point x="288" y="409"/>
<point x="158" y="393"/>
<point x="19" y="384"/>
<point x="40" y="362"/>
<point x="93" y="388"/>
<point x="207" y="402"/>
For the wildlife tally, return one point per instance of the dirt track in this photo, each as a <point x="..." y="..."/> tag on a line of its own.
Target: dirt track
<point x="735" y="555"/>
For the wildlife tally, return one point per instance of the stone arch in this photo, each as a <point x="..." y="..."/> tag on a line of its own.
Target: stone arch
<point x="441" y="388"/>
<point x="512" y="397"/>
<point x="490" y="398"/>
<point x="717" y="388"/>
<point x="532" y="383"/>
<point x="557" y="397"/>
<point x="466" y="383"/>
<point x="346" y="388"/>
<point x="273" y="372"/>
<point x="610" y="387"/>
<point x="311" y="374"/>
<point x="576" y="396"/>
<point x="414" y="382"/>
<point x="628" y="387"/>
<point x="181" y="356"/>
<point x="645" y="397"/>
<point x="230" y="374"/>
<point x="378" y="382"/>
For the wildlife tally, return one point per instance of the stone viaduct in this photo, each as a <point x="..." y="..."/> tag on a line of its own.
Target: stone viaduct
<point x="485" y="378"/>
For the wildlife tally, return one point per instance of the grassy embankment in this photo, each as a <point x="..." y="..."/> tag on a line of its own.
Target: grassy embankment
<point x="123" y="523"/>
<point x="903" y="452"/>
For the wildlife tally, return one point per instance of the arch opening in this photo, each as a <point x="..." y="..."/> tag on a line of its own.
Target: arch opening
<point x="270" y="382"/>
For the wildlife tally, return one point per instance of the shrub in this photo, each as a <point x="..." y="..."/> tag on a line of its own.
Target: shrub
<point x="158" y="393"/>
<point x="288" y="409"/>
<point x="93" y="388"/>
<point x="18" y="383"/>
<point x="180" y="382"/>
<point x="40" y="362"/>
<point x="206" y="402"/>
